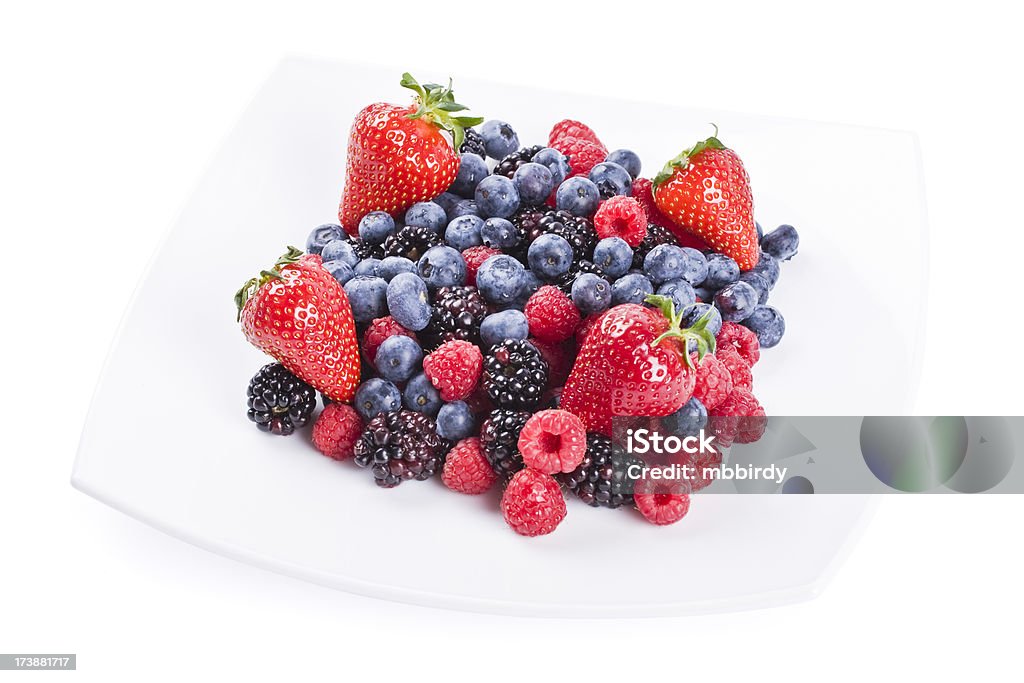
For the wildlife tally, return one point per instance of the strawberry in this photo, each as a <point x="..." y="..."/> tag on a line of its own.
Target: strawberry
<point x="297" y="313"/>
<point x="634" y="362"/>
<point x="398" y="156"/>
<point x="706" y="191"/>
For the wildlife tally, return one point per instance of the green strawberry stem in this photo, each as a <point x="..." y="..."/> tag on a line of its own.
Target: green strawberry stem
<point x="436" y="104"/>
<point x="698" y="332"/>
<point x="253" y="285"/>
<point x="683" y="160"/>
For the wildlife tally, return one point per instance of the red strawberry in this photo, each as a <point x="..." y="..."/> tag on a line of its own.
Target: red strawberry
<point x="706" y="191"/>
<point x="634" y="362"/>
<point x="567" y="128"/>
<point x="299" y="314"/>
<point x="643" y="194"/>
<point x="397" y="156"/>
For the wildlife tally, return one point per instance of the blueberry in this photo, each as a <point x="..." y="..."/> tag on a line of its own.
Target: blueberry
<point x="472" y="169"/>
<point x="442" y="266"/>
<point x="549" y="256"/>
<point x="496" y="195"/>
<point x="627" y="159"/>
<point x="376" y="396"/>
<point x="499" y="139"/>
<point x="704" y="293"/>
<point x="463" y="207"/>
<point x="421" y="396"/>
<point x="408" y="301"/>
<point x="555" y="161"/>
<point x="688" y="420"/>
<point x="695" y="266"/>
<point x="368" y="266"/>
<point x="455" y="421"/>
<point x="398" y="358"/>
<point x="500" y="278"/>
<point x="464" y="232"/>
<point x="578" y="195"/>
<point x="393" y="265"/>
<point x="693" y="313"/>
<point x="736" y="301"/>
<point x="427" y="215"/>
<point x="768" y="324"/>
<point x="591" y="293"/>
<point x="768" y="268"/>
<point x="340" y="250"/>
<point x="611" y="179"/>
<point x="631" y="289"/>
<point x="531" y="283"/>
<point x="534" y="182"/>
<point x="665" y="262"/>
<point x="446" y="200"/>
<point x="499" y="233"/>
<point x="782" y="242"/>
<point x="368" y="297"/>
<point x="722" y="271"/>
<point x="375" y="226"/>
<point x="680" y="292"/>
<point x="759" y="284"/>
<point x="497" y="327"/>
<point x="322" y="235"/>
<point x="760" y="231"/>
<point x="341" y="271"/>
<point x="614" y="256"/>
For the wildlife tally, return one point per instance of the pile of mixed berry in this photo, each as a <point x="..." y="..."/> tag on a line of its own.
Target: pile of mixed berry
<point x="484" y="309"/>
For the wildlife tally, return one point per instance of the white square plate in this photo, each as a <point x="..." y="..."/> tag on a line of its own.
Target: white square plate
<point x="857" y="287"/>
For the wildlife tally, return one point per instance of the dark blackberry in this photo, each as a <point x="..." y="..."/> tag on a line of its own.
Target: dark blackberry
<point x="499" y="440"/>
<point x="401" y="445"/>
<point x="515" y="374"/>
<point x="365" y="250"/>
<point x="526" y="220"/>
<point x="565" y="282"/>
<point x="473" y="144"/>
<point x="601" y="480"/>
<point x="456" y="314"/>
<point x="508" y="165"/>
<point x="577" y="231"/>
<point x="411" y="242"/>
<point x="655" y="235"/>
<point x="278" y="401"/>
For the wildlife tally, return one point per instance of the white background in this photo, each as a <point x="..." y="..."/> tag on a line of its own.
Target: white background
<point x="109" y="111"/>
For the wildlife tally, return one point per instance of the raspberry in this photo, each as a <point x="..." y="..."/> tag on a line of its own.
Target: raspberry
<point x="533" y="504"/>
<point x="466" y="470"/>
<point x="559" y="357"/>
<point x="621" y="217"/>
<point x="553" y="441"/>
<point x="454" y="369"/>
<point x="662" y="508"/>
<point x="474" y="257"/>
<point x="739" y="418"/>
<point x="643" y="193"/>
<point x="742" y="339"/>
<point x="379" y="330"/>
<point x="336" y="431"/>
<point x="714" y="382"/>
<point x="583" y="154"/>
<point x="551" y="314"/>
<point x="567" y="128"/>
<point x="739" y="371"/>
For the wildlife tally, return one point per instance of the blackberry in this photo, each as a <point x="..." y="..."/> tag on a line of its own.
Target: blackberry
<point x="365" y="250"/>
<point x="577" y="231"/>
<point x="515" y="374"/>
<point x="499" y="440"/>
<point x="526" y="220"/>
<point x="473" y="144"/>
<point x="656" y="235"/>
<point x="456" y="314"/>
<point x="401" y="445"/>
<point x="278" y="401"/>
<point x="565" y="282"/>
<point x="411" y="242"/>
<point x="601" y="480"/>
<point x="508" y="165"/>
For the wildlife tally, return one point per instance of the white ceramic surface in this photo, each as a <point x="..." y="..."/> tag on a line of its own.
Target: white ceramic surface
<point x="211" y="479"/>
